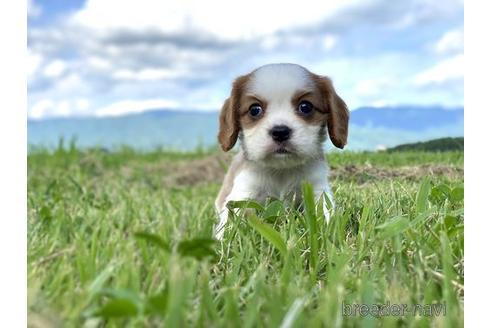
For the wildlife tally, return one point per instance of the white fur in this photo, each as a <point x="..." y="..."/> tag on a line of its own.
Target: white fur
<point x="258" y="182"/>
<point x="265" y="173"/>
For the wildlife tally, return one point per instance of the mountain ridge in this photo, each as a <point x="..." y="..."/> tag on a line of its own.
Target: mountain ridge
<point x="406" y="117"/>
<point x="370" y="128"/>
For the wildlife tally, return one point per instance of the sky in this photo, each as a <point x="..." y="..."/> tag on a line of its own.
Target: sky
<point x="107" y="57"/>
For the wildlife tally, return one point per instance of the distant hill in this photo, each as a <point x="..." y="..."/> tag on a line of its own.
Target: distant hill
<point x="442" y="144"/>
<point x="410" y="118"/>
<point x="370" y="128"/>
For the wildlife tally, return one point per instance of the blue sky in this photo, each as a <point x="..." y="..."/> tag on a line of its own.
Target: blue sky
<point x="106" y="57"/>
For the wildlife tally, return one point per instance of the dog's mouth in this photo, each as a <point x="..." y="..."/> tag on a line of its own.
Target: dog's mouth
<point x="282" y="156"/>
<point x="282" y="151"/>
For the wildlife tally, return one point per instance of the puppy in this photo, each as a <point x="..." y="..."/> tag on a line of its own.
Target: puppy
<point x="281" y="114"/>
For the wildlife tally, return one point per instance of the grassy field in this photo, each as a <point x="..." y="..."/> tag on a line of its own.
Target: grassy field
<point x="124" y="239"/>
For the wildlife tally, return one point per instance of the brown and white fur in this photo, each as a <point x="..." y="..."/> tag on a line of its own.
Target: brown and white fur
<point x="281" y="147"/>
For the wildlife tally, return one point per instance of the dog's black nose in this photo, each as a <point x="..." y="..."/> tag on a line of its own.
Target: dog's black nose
<point x="280" y="133"/>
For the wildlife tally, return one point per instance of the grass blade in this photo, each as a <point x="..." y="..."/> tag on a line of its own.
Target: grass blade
<point x="270" y="234"/>
<point x="292" y="314"/>
<point x="311" y="219"/>
<point x="421" y="202"/>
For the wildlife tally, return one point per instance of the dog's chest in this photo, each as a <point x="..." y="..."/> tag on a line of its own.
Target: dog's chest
<point x="280" y="185"/>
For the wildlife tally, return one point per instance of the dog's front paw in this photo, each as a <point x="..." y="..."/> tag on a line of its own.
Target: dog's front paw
<point x="220" y="226"/>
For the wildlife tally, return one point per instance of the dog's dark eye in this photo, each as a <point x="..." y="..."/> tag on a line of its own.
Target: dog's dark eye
<point x="305" y="107"/>
<point x="255" y="110"/>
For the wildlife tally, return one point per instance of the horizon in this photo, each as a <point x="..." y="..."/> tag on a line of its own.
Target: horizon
<point x="211" y="111"/>
<point x="371" y="128"/>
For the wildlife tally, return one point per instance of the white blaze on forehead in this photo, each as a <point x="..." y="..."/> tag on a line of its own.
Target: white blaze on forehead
<point x="279" y="82"/>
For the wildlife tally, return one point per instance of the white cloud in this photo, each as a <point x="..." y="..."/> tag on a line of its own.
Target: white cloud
<point x="58" y="108"/>
<point x="34" y="61"/>
<point x="71" y="83"/>
<point x="189" y="51"/>
<point x="98" y="63"/>
<point x="372" y="87"/>
<point x="148" y="74"/>
<point x="329" y="42"/>
<point x="270" y="42"/>
<point x="82" y="104"/>
<point x="380" y="103"/>
<point x="40" y="109"/>
<point x="55" y="68"/>
<point x="134" y="106"/>
<point x="424" y="11"/>
<point x="61" y="109"/>
<point x="448" y="70"/>
<point x="450" y="42"/>
<point x="275" y="42"/>
<point x="228" y="20"/>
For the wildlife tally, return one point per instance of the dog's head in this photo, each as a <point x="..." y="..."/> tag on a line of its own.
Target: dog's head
<point x="282" y="114"/>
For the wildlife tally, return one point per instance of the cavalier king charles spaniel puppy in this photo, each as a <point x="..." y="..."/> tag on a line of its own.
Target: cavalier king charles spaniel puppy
<point x="281" y="114"/>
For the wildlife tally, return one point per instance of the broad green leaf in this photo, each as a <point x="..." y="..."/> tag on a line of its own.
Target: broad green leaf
<point x="198" y="248"/>
<point x="243" y="204"/>
<point x="45" y="213"/>
<point x="122" y="294"/>
<point x="118" y="308"/>
<point x="157" y="303"/>
<point x="274" y="209"/>
<point x="153" y="239"/>
<point x="439" y="193"/>
<point x="270" y="234"/>
<point x="452" y="232"/>
<point x="450" y="221"/>
<point x="417" y="221"/>
<point x="393" y="227"/>
<point x="457" y="194"/>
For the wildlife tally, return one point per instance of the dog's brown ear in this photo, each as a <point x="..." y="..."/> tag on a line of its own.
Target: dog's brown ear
<point x="338" y="114"/>
<point x="228" y="126"/>
<point x="229" y="116"/>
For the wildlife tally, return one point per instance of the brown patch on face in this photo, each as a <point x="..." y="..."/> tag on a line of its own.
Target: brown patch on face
<point x="229" y="125"/>
<point x="335" y="107"/>
<point x="245" y="119"/>
<point x="318" y="116"/>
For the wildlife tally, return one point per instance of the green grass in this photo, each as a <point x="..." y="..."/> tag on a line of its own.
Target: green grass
<point x="113" y="243"/>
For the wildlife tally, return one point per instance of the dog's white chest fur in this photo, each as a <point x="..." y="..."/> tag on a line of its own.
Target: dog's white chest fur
<point x="248" y="180"/>
<point x="261" y="183"/>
